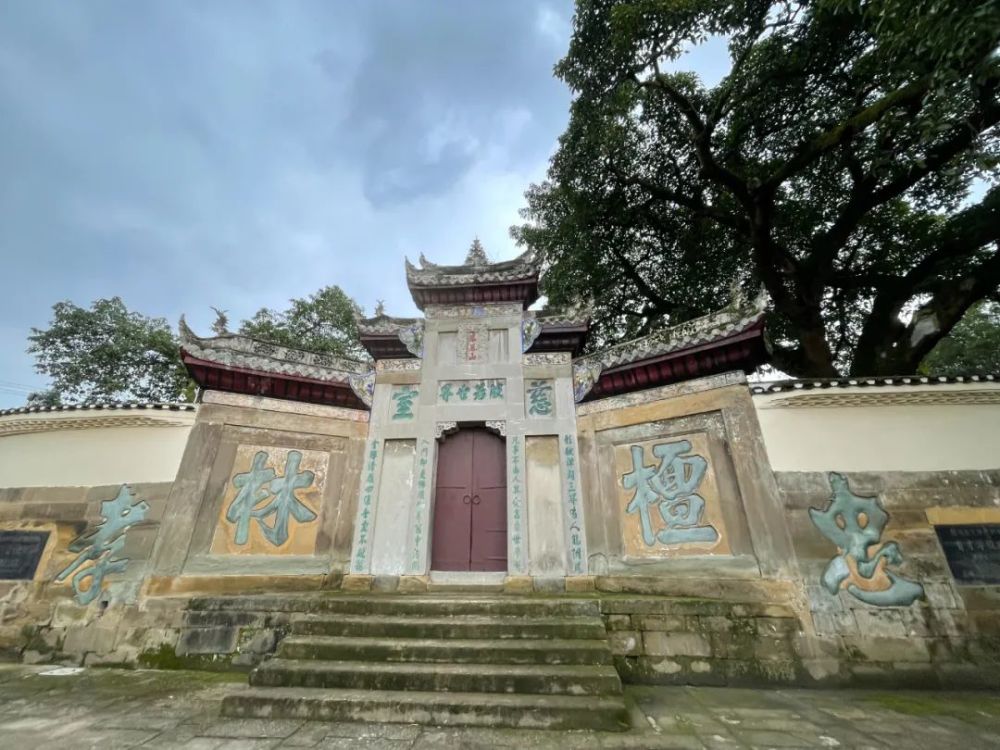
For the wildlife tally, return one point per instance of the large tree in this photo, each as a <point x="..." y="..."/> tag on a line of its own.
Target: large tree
<point x="322" y="322"/>
<point x="972" y="347"/>
<point x="107" y="353"/>
<point x="846" y="161"/>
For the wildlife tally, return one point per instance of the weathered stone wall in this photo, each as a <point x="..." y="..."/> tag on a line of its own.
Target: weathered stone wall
<point x="121" y="561"/>
<point x="56" y="598"/>
<point x="266" y="490"/>
<point x="951" y="634"/>
<point x="693" y="641"/>
<point x="676" y="483"/>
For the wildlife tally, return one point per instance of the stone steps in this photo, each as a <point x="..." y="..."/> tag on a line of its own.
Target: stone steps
<point x="473" y="661"/>
<point x="450" y="627"/>
<point x="452" y="650"/>
<point x="541" y="679"/>
<point x="602" y="713"/>
<point x="395" y="605"/>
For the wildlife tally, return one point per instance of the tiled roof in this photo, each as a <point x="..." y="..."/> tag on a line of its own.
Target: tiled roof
<point x="111" y="406"/>
<point x="740" y="315"/>
<point x="524" y="266"/>
<point x="244" y="352"/>
<point x="807" y="384"/>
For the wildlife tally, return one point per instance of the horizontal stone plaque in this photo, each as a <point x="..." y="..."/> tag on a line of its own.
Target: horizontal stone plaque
<point x="973" y="551"/>
<point x="20" y="552"/>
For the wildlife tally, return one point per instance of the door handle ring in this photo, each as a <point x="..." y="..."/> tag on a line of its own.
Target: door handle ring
<point x="476" y="499"/>
<point x="466" y="499"/>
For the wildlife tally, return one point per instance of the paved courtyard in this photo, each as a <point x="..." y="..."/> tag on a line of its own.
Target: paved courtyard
<point x="110" y="709"/>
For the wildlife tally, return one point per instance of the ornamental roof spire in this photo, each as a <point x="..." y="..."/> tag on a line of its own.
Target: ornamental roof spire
<point x="476" y="256"/>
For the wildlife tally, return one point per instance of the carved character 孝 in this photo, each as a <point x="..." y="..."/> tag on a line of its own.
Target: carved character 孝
<point x="102" y="545"/>
<point x="855" y="524"/>
<point x="672" y="487"/>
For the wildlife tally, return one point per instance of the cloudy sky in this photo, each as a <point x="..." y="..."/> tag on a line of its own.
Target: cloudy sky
<point x="182" y="154"/>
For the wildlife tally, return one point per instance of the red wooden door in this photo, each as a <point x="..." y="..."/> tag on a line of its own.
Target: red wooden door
<point x="470" y="503"/>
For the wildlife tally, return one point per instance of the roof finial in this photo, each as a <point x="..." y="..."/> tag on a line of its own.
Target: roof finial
<point x="379" y="308"/>
<point x="476" y="256"/>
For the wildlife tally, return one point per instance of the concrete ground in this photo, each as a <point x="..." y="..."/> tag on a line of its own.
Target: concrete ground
<point x="110" y="709"/>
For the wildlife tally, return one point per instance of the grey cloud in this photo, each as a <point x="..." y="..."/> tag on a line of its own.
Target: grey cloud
<point x="463" y="69"/>
<point x="183" y="154"/>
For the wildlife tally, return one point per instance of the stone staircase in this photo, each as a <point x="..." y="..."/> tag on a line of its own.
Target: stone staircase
<point x="443" y="660"/>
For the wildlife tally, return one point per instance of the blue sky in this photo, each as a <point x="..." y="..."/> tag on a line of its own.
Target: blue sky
<point x="182" y="154"/>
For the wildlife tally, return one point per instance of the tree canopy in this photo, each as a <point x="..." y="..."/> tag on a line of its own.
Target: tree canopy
<point x="846" y="161"/>
<point x="973" y="346"/>
<point x="322" y="322"/>
<point x="108" y="353"/>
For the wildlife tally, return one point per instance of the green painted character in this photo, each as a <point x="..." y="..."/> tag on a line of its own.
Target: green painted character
<point x="672" y="486"/>
<point x="262" y="483"/>
<point x="251" y="489"/>
<point x="463" y="391"/>
<point x="284" y="502"/>
<point x="446" y="392"/>
<point x="496" y="389"/>
<point x="404" y="402"/>
<point x="855" y="524"/>
<point x="539" y="398"/>
<point x="479" y="391"/>
<point x="103" y="545"/>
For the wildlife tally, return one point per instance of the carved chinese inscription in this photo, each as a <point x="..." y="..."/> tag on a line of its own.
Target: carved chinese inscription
<point x="670" y="498"/>
<point x="20" y="553"/>
<point x="366" y="511"/>
<point x="272" y="502"/>
<point x="475" y="391"/>
<point x="100" y="550"/>
<point x="855" y="525"/>
<point x="539" y="399"/>
<point x="473" y="342"/>
<point x="403" y="397"/>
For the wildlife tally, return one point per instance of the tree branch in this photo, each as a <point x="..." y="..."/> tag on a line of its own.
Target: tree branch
<point x="702" y="136"/>
<point x="845" y="131"/>
<point x="867" y="196"/>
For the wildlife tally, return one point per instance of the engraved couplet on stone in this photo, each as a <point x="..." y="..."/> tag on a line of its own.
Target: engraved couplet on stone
<point x="669" y="498"/>
<point x="271" y="504"/>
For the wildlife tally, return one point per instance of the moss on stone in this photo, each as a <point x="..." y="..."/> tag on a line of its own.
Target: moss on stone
<point x="167" y="658"/>
<point x="965" y="707"/>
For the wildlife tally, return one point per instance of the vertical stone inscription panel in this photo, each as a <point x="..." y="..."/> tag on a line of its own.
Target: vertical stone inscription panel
<point x="395" y="501"/>
<point x="545" y="512"/>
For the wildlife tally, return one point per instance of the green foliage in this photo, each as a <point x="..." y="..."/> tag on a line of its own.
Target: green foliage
<point x="834" y="164"/>
<point x="972" y="347"/>
<point x="106" y="353"/>
<point x="322" y="322"/>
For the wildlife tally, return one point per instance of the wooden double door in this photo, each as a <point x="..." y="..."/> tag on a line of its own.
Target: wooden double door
<point x="470" y="503"/>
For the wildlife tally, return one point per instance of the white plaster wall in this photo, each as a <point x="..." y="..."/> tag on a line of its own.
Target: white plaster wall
<point x="93" y="456"/>
<point x="917" y="437"/>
